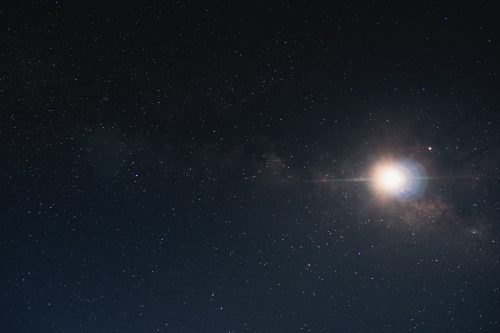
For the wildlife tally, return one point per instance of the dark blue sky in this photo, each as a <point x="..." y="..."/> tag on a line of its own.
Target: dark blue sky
<point x="170" y="167"/>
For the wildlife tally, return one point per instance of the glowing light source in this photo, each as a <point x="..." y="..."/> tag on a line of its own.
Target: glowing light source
<point x="402" y="179"/>
<point x="391" y="178"/>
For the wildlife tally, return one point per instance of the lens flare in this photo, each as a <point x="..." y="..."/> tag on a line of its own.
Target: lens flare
<point x="400" y="179"/>
<point x="390" y="179"/>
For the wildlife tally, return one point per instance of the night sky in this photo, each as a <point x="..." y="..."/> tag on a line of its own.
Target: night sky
<point x="207" y="167"/>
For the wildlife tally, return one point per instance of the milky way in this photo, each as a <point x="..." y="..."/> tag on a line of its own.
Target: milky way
<point x="261" y="166"/>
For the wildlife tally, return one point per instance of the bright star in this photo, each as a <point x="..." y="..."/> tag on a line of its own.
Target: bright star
<point x="401" y="179"/>
<point x="390" y="178"/>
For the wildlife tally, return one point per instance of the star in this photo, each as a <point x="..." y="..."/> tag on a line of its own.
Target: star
<point x="398" y="178"/>
<point x="390" y="178"/>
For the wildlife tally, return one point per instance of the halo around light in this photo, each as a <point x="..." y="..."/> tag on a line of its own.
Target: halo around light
<point x="399" y="179"/>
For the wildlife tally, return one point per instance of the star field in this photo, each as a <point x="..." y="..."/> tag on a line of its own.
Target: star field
<point x="182" y="166"/>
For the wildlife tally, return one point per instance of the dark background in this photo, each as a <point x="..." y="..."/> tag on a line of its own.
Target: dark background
<point x="169" y="166"/>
